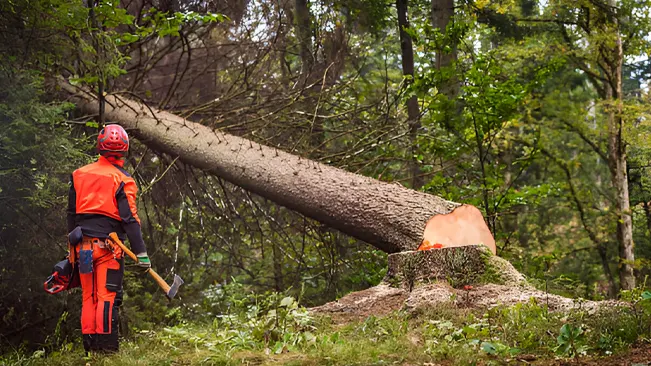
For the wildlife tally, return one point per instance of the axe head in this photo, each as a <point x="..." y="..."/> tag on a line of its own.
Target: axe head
<point x="175" y="287"/>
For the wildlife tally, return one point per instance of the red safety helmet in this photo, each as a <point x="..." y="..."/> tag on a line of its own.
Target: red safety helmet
<point x="114" y="139"/>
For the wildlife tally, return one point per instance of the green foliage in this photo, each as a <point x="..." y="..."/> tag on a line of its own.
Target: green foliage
<point x="571" y="341"/>
<point x="102" y="41"/>
<point x="58" y="341"/>
<point x="272" y="319"/>
<point x="370" y="16"/>
<point x="38" y="151"/>
<point x="498" y="349"/>
<point x="253" y="332"/>
<point x="520" y="140"/>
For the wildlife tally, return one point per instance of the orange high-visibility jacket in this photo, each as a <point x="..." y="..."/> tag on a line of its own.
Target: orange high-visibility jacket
<point x="102" y="199"/>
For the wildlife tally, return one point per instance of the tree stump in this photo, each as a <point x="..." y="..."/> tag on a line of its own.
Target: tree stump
<point x="468" y="277"/>
<point x="459" y="266"/>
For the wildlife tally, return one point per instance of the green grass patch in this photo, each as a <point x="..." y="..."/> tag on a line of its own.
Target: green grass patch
<point x="276" y="330"/>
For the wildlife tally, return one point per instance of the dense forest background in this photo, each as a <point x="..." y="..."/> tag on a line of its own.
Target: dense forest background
<point x="535" y="112"/>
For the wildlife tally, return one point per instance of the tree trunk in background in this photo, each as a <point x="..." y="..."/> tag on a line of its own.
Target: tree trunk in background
<point x="304" y="34"/>
<point x="647" y="214"/>
<point x="278" y="267"/>
<point x="602" y="246"/>
<point x="605" y="264"/>
<point x="169" y="6"/>
<point x="286" y="19"/>
<point x="442" y="12"/>
<point x="413" y="111"/>
<point x="617" y="163"/>
<point x="387" y="216"/>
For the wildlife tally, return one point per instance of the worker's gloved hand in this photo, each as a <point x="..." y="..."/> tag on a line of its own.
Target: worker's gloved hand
<point x="144" y="264"/>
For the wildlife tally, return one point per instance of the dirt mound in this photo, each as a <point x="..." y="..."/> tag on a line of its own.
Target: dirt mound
<point x="490" y="295"/>
<point x="383" y="299"/>
<point x="378" y="300"/>
<point x="468" y="277"/>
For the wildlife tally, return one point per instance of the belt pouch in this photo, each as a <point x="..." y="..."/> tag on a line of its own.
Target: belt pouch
<point x="113" y="279"/>
<point x="86" y="260"/>
<point x="75" y="236"/>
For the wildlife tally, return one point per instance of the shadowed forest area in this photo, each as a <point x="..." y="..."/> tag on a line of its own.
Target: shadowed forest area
<point x="538" y="113"/>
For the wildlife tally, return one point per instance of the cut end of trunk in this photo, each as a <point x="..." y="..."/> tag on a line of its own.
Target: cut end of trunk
<point x="463" y="226"/>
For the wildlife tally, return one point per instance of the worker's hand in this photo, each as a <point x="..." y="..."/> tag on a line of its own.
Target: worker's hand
<point x="144" y="264"/>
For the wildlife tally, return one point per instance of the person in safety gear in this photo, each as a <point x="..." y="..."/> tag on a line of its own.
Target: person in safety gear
<point x="102" y="199"/>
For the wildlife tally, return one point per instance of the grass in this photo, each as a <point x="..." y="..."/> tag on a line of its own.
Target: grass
<point x="275" y="330"/>
<point x="443" y="335"/>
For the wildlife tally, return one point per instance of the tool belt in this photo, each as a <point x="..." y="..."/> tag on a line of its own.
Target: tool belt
<point x="88" y="246"/>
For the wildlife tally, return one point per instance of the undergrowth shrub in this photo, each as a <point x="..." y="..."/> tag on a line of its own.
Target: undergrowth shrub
<point x="380" y="329"/>
<point x="234" y="323"/>
<point x="251" y="320"/>
<point x="531" y="328"/>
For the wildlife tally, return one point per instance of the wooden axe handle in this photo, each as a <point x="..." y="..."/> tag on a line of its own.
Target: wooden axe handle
<point x="114" y="238"/>
<point x="161" y="282"/>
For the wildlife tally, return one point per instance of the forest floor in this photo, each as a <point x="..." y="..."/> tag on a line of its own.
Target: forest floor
<point x="637" y="356"/>
<point x="159" y="349"/>
<point x="432" y="325"/>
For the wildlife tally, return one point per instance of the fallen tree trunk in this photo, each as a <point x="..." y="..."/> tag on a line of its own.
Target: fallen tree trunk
<point x="387" y="216"/>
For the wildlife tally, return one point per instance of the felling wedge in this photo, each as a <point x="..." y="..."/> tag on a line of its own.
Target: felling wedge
<point x="170" y="291"/>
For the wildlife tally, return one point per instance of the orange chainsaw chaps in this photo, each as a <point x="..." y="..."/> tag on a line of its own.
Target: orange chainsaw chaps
<point x="100" y="288"/>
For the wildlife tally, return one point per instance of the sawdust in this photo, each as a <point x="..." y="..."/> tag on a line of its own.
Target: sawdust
<point x="383" y="299"/>
<point x="492" y="295"/>
<point x="430" y="294"/>
<point x="378" y="300"/>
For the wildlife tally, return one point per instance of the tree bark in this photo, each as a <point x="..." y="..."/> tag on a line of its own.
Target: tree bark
<point x="442" y="12"/>
<point x="304" y="34"/>
<point x="647" y="214"/>
<point x="278" y="267"/>
<point x="603" y="255"/>
<point x="602" y="246"/>
<point x="388" y="216"/>
<point x="617" y="157"/>
<point x="170" y="6"/>
<point x="617" y="164"/>
<point x="413" y="111"/>
<point x="469" y="265"/>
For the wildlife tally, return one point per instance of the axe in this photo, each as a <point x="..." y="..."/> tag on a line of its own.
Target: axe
<point x="170" y="291"/>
